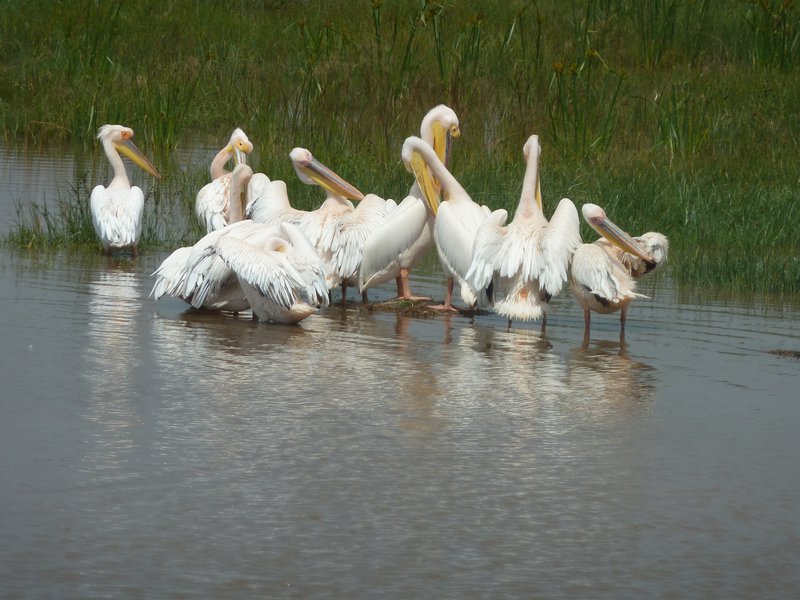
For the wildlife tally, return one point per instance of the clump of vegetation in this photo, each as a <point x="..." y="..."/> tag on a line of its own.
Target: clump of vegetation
<point x="675" y="116"/>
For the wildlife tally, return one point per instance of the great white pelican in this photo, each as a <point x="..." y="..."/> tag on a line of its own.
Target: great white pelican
<point x="212" y="204"/>
<point x="117" y="209"/>
<point x="602" y="276"/>
<point x="337" y="229"/>
<point x="528" y="259"/>
<point x="192" y="273"/>
<point x="457" y="219"/>
<point x="272" y="269"/>
<point x="394" y="248"/>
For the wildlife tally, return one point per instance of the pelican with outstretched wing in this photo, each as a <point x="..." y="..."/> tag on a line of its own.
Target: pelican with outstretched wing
<point x="189" y="273"/>
<point x="272" y="269"/>
<point x="117" y="209"/>
<point x="528" y="258"/>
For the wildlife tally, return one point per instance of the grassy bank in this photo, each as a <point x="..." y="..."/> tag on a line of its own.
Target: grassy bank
<point x="675" y="116"/>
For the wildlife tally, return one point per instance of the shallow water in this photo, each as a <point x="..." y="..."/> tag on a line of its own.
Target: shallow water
<point x="148" y="450"/>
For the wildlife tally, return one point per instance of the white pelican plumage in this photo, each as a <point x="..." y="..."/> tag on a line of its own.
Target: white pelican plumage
<point x="457" y="218"/>
<point x="529" y="258"/>
<point x="269" y="204"/>
<point x="406" y="236"/>
<point x="191" y="274"/>
<point x="117" y="209"/>
<point x="272" y="269"/>
<point x="602" y="276"/>
<point x="280" y="272"/>
<point x="212" y="205"/>
<point x="337" y="229"/>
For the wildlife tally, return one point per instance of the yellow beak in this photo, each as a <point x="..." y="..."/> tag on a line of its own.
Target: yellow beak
<point x="609" y="230"/>
<point x="329" y="180"/>
<point x="428" y="185"/>
<point x="443" y="141"/>
<point x="129" y="149"/>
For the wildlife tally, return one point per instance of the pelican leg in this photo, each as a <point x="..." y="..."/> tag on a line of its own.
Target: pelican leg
<point x="448" y="298"/>
<point x="134" y="251"/>
<point x="404" y="289"/>
<point x="364" y="297"/>
<point x="344" y="293"/>
<point x="587" y="321"/>
<point x="622" y="316"/>
<point x="544" y="322"/>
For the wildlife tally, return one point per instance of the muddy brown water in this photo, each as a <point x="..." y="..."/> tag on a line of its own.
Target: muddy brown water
<point x="147" y="450"/>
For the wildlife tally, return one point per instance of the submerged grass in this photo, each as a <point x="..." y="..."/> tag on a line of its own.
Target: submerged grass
<point x="675" y="116"/>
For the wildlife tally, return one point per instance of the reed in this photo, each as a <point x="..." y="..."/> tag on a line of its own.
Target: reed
<point x="665" y="112"/>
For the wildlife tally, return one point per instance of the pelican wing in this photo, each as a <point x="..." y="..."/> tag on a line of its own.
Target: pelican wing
<point x="383" y="247"/>
<point x="211" y="205"/>
<point x="171" y="273"/>
<point x="269" y="203"/>
<point x="350" y="232"/>
<point x="308" y="263"/>
<point x="206" y="273"/>
<point x="454" y="234"/>
<point x="658" y="246"/>
<point x="558" y="243"/>
<point x="268" y="272"/>
<point x="596" y="271"/>
<point x="488" y="253"/>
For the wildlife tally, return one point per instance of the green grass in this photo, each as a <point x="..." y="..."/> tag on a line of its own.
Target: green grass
<point x="675" y="116"/>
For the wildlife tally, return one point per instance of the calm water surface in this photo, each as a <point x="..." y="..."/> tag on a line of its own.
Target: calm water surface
<point x="150" y="451"/>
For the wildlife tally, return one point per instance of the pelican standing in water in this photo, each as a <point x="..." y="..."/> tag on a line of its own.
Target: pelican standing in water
<point x="337" y="228"/>
<point x="117" y="209"/>
<point x="602" y="276"/>
<point x="457" y="219"/>
<point x="529" y="257"/>
<point x="212" y="205"/>
<point x="406" y="236"/>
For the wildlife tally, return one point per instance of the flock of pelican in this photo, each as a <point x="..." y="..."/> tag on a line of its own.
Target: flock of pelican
<point x="262" y="254"/>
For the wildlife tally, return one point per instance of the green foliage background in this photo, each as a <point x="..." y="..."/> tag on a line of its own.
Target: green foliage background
<point x="677" y="116"/>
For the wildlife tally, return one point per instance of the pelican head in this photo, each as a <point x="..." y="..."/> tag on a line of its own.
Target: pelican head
<point x="240" y="146"/>
<point x="312" y="172"/>
<point x="532" y="150"/>
<point x="597" y="220"/>
<point x="120" y="137"/>
<point x="413" y="154"/>
<point x="439" y="128"/>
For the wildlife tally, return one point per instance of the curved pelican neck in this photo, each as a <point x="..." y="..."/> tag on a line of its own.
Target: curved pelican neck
<point x="450" y="187"/>
<point x="217" y="168"/>
<point x="239" y="182"/>
<point x="120" y="178"/>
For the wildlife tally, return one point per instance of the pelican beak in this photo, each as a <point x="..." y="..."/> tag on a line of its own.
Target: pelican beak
<point x="329" y="180"/>
<point x="239" y="157"/>
<point x="428" y="185"/>
<point x="129" y="149"/>
<point x="609" y="230"/>
<point x="443" y="141"/>
<point x="539" y="192"/>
